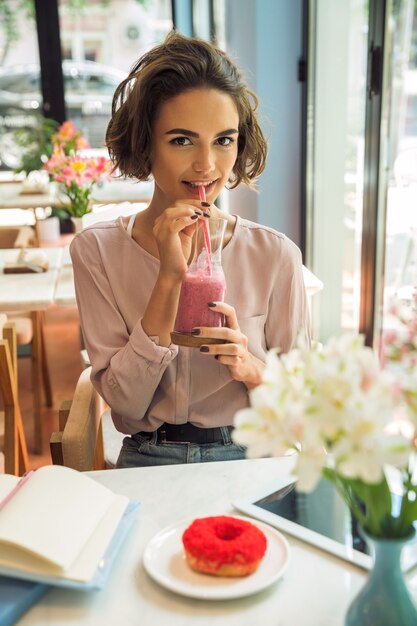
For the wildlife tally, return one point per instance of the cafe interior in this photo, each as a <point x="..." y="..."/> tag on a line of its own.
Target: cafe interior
<point x="337" y="87"/>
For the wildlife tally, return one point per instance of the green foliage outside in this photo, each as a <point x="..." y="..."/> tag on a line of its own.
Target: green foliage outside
<point x="36" y="144"/>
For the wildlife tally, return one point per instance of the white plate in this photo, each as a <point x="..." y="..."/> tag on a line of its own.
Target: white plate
<point x="165" y="562"/>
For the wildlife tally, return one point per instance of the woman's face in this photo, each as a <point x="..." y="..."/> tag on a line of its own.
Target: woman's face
<point x="194" y="142"/>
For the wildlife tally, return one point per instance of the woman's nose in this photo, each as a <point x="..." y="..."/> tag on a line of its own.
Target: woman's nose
<point x="204" y="161"/>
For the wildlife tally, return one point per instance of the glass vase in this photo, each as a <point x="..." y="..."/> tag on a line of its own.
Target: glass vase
<point x="78" y="224"/>
<point x="385" y="599"/>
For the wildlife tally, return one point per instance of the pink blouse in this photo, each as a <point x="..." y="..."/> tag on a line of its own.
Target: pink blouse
<point x="146" y="384"/>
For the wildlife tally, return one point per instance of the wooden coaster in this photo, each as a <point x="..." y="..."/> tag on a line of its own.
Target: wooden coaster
<point x="193" y="341"/>
<point x="33" y="192"/>
<point x="25" y="268"/>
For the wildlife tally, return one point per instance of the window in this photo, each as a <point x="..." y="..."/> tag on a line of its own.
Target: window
<point x="399" y="156"/>
<point x="100" y="42"/>
<point x="335" y="163"/>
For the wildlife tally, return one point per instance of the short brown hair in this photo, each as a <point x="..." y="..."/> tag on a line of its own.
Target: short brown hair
<point x="180" y="64"/>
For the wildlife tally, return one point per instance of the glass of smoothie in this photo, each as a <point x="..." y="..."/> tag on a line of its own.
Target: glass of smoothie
<point x="204" y="282"/>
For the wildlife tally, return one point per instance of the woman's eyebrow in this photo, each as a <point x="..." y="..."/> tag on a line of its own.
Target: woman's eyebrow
<point x="181" y="131"/>
<point x="229" y="131"/>
<point x="191" y="133"/>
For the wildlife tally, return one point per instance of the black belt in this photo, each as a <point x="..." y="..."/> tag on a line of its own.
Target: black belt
<point x="187" y="433"/>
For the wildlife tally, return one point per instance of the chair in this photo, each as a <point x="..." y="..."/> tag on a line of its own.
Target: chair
<point x="17" y="237"/>
<point x="30" y="331"/>
<point x="12" y="436"/>
<point x="87" y="439"/>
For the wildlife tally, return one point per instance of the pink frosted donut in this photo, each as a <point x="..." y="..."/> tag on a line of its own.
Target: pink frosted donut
<point x="224" y="546"/>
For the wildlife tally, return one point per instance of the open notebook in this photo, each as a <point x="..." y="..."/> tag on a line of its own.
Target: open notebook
<point x="61" y="527"/>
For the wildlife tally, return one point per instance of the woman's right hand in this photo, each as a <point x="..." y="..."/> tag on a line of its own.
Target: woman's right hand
<point x="173" y="231"/>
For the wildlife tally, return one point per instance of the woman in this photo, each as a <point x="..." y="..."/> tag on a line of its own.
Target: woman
<point x="185" y="117"/>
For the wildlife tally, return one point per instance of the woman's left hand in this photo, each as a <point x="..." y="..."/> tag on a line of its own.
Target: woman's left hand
<point x="243" y="365"/>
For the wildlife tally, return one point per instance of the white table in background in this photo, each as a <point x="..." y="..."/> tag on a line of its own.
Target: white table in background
<point x="64" y="294"/>
<point x="312" y="283"/>
<point x="113" y="192"/>
<point x="32" y="291"/>
<point x="13" y="195"/>
<point x="316" y="589"/>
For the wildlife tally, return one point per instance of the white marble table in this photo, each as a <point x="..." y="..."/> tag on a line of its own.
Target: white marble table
<point x="115" y="191"/>
<point x="29" y="292"/>
<point x="315" y="591"/>
<point x="32" y="293"/>
<point x="312" y="283"/>
<point x="64" y="290"/>
<point x="13" y="196"/>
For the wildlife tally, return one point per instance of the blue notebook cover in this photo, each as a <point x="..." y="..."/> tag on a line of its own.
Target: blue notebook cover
<point x="16" y="597"/>
<point x="103" y="570"/>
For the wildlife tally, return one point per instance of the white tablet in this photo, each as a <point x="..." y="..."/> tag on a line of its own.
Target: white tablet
<point x="320" y="518"/>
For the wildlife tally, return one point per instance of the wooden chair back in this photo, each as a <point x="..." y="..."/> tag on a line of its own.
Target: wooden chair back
<point x="12" y="434"/>
<point x="87" y="439"/>
<point x="17" y="237"/>
<point x="79" y="442"/>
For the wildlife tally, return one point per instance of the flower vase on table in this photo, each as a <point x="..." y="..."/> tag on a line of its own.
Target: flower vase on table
<point x="77" y="175"/>
<point x="338" y="406"/>
<point x="78" y="224"/>
<point x="78" y="203"/>
<point x="384" y="600"/>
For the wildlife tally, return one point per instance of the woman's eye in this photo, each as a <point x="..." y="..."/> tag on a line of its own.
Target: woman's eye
<point x="225" y="141"/>
<point x="181" y="141"/>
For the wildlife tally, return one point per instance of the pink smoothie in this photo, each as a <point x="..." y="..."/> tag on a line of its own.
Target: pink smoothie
<point x="197" y="290"/>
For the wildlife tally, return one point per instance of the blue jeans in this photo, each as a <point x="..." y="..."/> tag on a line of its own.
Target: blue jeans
<point x="144" y="450"/>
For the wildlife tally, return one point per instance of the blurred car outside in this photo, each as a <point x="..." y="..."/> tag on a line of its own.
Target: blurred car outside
<point x="89" y="89"/>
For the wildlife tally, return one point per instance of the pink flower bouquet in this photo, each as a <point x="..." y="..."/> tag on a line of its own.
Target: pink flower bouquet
<point x="69" y="139"/>
<point x="78" y="175"/>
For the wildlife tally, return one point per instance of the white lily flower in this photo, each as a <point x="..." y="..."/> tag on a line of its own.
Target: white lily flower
<point x="309" y="467"/>
<point x="333" y="404"/>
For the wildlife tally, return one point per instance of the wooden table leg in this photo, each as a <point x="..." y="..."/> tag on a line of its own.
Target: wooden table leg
<point x="23" y="459"/>
<point x="37" y="230"/>
<point x="15" y="452"/>
<point x="37" y="380"/>
<point x="45" y="368"/>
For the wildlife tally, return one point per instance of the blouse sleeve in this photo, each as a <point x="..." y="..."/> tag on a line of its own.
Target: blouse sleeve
<point x="126" y="368"/>
<point x="289" y="314"/>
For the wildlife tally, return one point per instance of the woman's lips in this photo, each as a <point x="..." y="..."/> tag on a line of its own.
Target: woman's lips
<point x="194" y="189"/>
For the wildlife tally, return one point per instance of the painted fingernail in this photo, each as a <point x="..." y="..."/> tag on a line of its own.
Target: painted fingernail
<point x="194" y="217"/>
<point x="204" y="203"/>
<point x="195" y="331"/>
<point x="204" y="349"/>
<point x="198" y="212"/>
<point x="206" y="214"/>
<point x="211" y="304"/>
